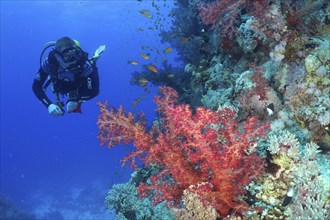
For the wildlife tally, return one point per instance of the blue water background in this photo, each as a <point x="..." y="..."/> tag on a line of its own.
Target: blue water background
<point x="48" y="162"/>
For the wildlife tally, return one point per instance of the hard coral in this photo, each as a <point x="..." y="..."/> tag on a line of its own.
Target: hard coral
<point x="194" y="208"/>
<point x="302" y="15"/>
<point x="300" y="172"/>
<point x="123" y="200"/>
<point x="254" y="100"/>
<point x="208" y="146"/>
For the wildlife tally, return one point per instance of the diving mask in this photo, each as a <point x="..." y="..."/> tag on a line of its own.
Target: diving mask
<point x="71" y="55"/>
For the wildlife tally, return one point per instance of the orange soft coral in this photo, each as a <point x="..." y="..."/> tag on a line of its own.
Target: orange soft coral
<point x="118" y="127"/>
<point x="205" y="147"/>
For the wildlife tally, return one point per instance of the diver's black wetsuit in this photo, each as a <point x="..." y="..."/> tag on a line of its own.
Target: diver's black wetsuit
<point x="81" y="80"/>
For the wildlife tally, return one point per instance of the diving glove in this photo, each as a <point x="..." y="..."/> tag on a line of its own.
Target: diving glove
<point x="55" y="110"/>
<point x="99" y="52"/>
<point x="71" y="106"/>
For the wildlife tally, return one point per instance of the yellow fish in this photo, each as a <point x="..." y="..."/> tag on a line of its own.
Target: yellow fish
<point x="133" y="62"/>
<point x="136" y="101"/>
<point x="152" y="68"/>
<point x="168" y="50"/>
<point x="145" y="56"/>
<point x="147" y="15"/>
<point x="143" y="82"/>
<point x="143" y="11"/>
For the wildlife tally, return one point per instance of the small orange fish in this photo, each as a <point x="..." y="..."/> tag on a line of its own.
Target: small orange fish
<point x="133" y="62"/>
<point x="168" y="50"/>
<point x="153" y="68"/>
<point x="145" y="56"/>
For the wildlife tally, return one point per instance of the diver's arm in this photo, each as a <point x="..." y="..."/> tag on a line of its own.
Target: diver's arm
<point x="90" y="86"/>
<point x="38" y="83"/>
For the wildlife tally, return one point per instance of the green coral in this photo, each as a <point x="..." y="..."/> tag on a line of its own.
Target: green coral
<point x="317" y="64"/>
<point x="123" y="199"/>
<point x="214" y="98"/>
<point x="302" y="170"/>
<point x="283" y="160"/>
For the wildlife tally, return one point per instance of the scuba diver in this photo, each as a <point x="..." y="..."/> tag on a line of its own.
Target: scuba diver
<point x="72" y="74"/>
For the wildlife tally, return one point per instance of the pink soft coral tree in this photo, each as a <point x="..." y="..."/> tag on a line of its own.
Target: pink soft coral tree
<point x="226" y="13"/>
<point x="208" y="150"/>
<point x="212" y="13"/>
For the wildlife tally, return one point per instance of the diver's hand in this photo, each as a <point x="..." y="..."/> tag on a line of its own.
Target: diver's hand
<point x="71" y="106"/>
<point x="55" y="110"/>
<point x="99" y="52"/>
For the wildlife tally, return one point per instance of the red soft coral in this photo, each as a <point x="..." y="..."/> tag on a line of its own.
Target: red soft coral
<point x="117" y="127"/>
<point x="223" y="12"/>
<point x="226" y="13"/>
<point x="205" y="147"/>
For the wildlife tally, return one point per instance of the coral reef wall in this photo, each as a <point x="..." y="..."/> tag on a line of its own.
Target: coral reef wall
<point x="246" y="133"/>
